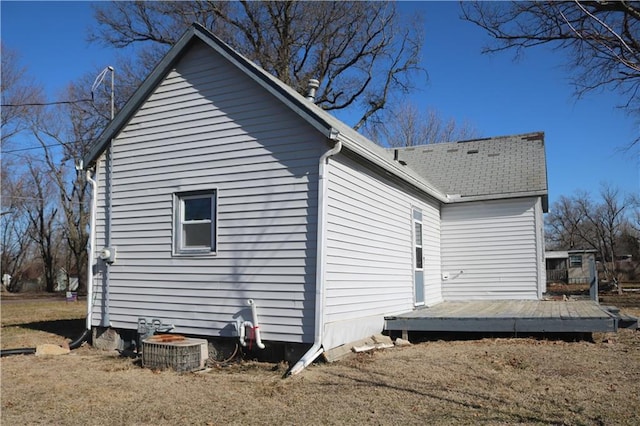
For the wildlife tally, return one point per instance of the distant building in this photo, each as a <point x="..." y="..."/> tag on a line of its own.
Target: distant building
<point x="65" y="282"/>
<point x="570" y="266"/>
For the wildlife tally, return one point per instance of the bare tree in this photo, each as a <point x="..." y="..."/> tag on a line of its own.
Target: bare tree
<point x="601" y="38"/>
<point x="41" y="213"/>
<point x="635" y="214"/>
<point x="603" y="222"/>
<point x="65" y="134"/>
<point x="360" y="52"/>
<point x="563" y="223"/>
<point x="19" y="95"/>
<point x="579" y="222"/>
<point x="406" y="125"/>
<point x="73" y="203"/>
<point x="14" y="243"/>
<point x="629" y="240"/>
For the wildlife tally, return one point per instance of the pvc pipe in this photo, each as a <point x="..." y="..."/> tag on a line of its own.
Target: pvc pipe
<point x="243" y="333"/>
<point x="80" y="340"/>
<point x="18" y="351"/>
<point x="256" y="326"/>
<point x="316" y="349"/>
<point x="92" y="247"/>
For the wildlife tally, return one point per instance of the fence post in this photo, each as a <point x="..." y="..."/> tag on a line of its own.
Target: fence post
<point x="593" y="280"/>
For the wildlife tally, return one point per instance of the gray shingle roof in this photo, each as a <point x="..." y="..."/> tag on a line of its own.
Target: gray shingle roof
<point x="507" y="166"/>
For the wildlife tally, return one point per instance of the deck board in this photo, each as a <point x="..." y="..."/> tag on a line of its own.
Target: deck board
<point x="506" y="316"/>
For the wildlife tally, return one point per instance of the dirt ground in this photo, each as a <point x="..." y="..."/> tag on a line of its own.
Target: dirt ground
<point x="480" y="381"/>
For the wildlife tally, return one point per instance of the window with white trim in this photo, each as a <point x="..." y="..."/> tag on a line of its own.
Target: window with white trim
<point x="575" y="261"/>
<point x="195" y="222"/>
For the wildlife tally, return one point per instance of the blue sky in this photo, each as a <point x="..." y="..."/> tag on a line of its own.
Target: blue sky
<point x="498" y="96"/>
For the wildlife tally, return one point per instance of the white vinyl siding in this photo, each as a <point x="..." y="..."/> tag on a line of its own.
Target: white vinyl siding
<point x="370" y="249"/>
<point x="489" y="250"/>
<point x="209" y="126"/>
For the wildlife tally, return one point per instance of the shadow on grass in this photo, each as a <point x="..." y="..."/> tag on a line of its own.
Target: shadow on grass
<point x="482" y="405"/>
<point x="69" y="328"/>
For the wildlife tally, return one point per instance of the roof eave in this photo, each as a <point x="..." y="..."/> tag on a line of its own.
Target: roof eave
<point x="488" y="197"/>
<point x="139" y="96"/>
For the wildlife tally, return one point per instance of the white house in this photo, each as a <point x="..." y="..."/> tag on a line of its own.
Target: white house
<point x="217" y="184"/>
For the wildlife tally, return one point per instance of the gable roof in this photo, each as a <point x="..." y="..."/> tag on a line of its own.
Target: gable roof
<point x="499" y="167"/>
<point x="329" y="126"/>
<point x="325" y="123"/>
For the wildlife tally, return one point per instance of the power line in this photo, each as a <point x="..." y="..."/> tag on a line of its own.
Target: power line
<point x="60" y="144"/>
<point x="33" y="147"/>
<point x="17" y="197"/>
<point x="47" y="103"/>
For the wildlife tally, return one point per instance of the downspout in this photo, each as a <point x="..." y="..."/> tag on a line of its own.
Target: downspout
<point x="92" y="247"/>
<point x="106" y="321"/>
<point x="317" y="349"/>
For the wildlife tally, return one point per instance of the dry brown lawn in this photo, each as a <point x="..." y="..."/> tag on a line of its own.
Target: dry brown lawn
<point x="487" y="381"/>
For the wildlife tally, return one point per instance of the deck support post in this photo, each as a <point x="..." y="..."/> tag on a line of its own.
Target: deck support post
<point x="593" y="280"/>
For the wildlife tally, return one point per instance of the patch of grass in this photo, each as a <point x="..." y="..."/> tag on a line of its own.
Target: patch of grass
<point x="15" y="311"/>
<point x="485" y="381"/>
<point x="27" y="323"/>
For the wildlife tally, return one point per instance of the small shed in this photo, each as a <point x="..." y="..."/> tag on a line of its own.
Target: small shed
<point x="575" y="266"/>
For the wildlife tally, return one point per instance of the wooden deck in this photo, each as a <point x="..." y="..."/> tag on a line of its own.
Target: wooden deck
<point x="526" y="316"/>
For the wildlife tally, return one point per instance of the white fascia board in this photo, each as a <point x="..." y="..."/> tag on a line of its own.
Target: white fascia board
<point x="455" y="198"/>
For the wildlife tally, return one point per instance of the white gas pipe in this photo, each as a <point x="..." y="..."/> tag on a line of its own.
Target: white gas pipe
<point x="252" y="325"/>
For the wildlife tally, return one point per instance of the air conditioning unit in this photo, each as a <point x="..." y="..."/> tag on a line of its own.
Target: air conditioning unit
<point x="161" y="352"/>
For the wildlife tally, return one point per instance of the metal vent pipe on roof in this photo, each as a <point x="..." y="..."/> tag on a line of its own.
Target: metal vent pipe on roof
<point x="312" y="86"/>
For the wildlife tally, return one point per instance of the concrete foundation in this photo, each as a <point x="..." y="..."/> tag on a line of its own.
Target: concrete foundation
<point x="107" y="339"/>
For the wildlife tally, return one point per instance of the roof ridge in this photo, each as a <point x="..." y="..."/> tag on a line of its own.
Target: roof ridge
<point x="527" y="137"/>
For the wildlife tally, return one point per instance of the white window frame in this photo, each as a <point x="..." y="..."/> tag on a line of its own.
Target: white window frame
<point x="575" y="261"/>
<point x="419" y="296"/>
<point x="179" y="198"/>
